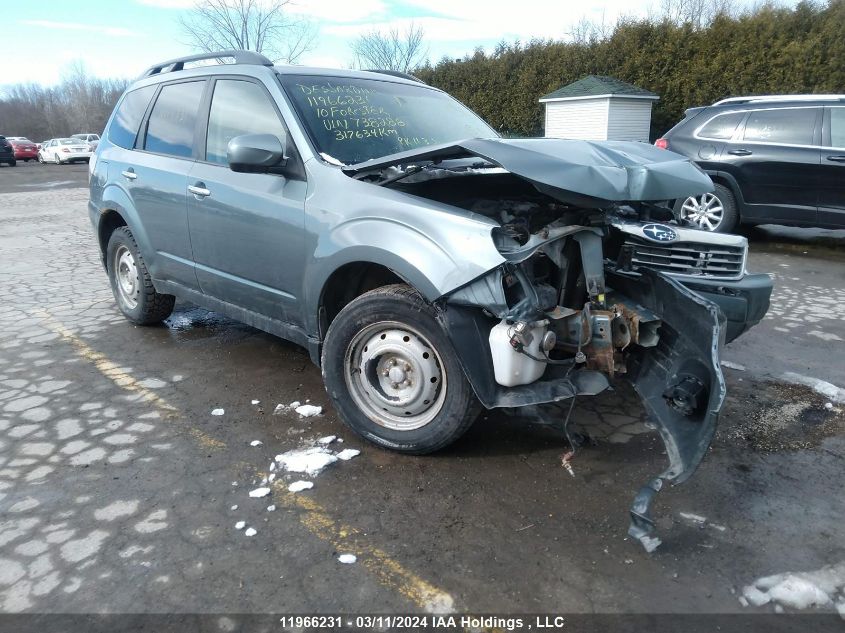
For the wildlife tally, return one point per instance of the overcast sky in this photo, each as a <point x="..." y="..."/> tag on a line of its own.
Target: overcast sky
<point x="120" y="38"/>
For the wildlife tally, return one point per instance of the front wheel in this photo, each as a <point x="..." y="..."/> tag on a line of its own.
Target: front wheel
<point x="131" y="282"/>
<point x="714" y="212"/>
<point x="393" y="375"/>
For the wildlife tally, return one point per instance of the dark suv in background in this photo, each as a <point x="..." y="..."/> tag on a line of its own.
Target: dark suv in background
<point x="773" y="159"/>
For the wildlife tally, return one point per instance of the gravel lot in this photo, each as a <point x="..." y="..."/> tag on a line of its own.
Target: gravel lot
<point x="120" y="491"/>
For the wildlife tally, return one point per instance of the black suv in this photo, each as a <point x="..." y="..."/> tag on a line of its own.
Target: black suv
<point x="7" y="152"/>
<point x="774" y="159"/>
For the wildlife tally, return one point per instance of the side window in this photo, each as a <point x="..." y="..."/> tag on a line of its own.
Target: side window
<point x="171" y="126"/>
<point x="837" y="127"/>
<point x="790" y="125"/>
<point x="127" y="119"/>
<point x="721" y="127"/>
<point x="238" y="107"/>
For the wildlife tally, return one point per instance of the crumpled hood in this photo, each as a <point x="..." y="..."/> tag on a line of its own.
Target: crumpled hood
<point x="576" y="172"/>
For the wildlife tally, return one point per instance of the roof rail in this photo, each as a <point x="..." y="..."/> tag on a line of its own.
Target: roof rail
<point x="806" y="97"/>
<point x="240" y="57"/>
<point x="396" y="73"/>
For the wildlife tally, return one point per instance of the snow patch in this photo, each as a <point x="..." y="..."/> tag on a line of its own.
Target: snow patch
<point x="797" y="590"/>
<point x="217" y="412"/>
<point x="299" y="486"/>
<point x="730" y="365"/>
<point x="271" y="508"/>
<point x="250" y="532"/>
<point x="310" y="460"/>
<point x="822" y="387"/>
<point x="234" y="507"/>
<point x="347" y="559"/>
<point x="348" y="453"/>
<point x="240" y="525"/>
<point x="256" y="402"/>
<point x="695" y="518"/>
<point x="327" y="440"/>
<point x="256" y="443"/>
<point x="259" y="492"/>
<point x="308" y="410"/>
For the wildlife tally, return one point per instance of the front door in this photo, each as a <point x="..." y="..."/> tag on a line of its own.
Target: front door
<point x="246" y="229"/>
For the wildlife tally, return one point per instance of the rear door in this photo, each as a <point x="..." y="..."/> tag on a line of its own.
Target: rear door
<point x="832" y="169"/>
<point x="247" y="229"/>
<point x="156" y="175"/>
<point x="775" y="160"/>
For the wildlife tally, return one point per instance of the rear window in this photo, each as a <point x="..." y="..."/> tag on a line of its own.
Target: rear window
<point x="127" y="119"/>
<point x="792" y="126"/>
<point x="173" y="119"/>
<point x="721" y="127"/>
<point x="837" y="127"/>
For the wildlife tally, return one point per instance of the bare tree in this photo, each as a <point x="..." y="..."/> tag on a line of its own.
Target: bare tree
<point x="264" y="26"/>
<point x="80" y="103"/>
<point x="698" y="13"/>
<point x="390" y="50"/>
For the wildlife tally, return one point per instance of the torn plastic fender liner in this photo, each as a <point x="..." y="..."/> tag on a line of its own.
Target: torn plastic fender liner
<point x="468" y="330"/>
<point x="679" y="381"/>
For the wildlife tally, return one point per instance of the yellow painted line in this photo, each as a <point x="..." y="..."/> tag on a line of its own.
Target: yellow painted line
<point x="349" y="540"/>
<point x="346" y="539"/>
<point x="113" y="372"/>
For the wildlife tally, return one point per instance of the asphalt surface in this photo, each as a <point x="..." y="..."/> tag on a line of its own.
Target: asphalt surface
<point x="118" y="486"/>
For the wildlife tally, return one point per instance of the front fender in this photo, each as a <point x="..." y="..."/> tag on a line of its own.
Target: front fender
<point x="433" y="267"/>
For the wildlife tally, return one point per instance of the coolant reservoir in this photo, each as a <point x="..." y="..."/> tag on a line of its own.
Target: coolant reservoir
<point x="511" y="367"/>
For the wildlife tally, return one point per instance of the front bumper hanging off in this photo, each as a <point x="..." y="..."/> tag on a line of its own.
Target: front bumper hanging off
<point x="679" y="381"/>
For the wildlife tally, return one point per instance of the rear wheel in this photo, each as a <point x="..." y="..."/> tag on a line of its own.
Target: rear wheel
<point x="131" y="282"/>
<point x="393" y="375"/>
<point x="714" y="212"/>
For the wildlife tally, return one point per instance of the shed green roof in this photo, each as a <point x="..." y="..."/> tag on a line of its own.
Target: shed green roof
<point x="598" y="85"/>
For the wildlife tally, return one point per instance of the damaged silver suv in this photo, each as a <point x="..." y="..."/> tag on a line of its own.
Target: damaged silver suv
<point x="430" y="267"/>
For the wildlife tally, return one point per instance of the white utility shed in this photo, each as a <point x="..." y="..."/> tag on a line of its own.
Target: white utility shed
<point x="599" y="108"/>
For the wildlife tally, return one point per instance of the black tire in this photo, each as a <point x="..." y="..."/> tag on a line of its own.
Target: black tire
<point x="12" y="163"/>
<point x="150" y="307"/>
<point x="402" y="305"/>
<point x="730" y="213"/>
<point x="40" y="158"/>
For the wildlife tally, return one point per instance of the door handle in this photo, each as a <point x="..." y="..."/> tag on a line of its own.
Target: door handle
<point x="837" y="159"/>
<point x="740" y="152"/>
<point x="129" y="173"/>
<point x="199" y="190"/>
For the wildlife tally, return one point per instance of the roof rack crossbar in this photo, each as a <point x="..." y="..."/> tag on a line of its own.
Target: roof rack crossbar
<point x="240" y="57"/>
<point x="759" y="98"/>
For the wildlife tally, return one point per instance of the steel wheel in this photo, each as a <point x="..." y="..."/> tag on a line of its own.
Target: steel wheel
<point x="126" y="275"/>
<point x="706" y="211"/>
<point x="395" y="376"/>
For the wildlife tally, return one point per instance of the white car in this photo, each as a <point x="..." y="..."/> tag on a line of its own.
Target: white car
<point x="64" y="150"/>
<point x="92" y="139"/>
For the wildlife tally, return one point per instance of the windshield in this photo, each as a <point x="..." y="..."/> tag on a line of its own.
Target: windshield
<point x="353" y="120"/>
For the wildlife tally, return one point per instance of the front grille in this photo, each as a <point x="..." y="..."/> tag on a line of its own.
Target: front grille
<point x="689" y="258"/>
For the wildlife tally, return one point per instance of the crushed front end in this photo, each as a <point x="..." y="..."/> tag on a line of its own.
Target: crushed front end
<point x="572" y="307"/>
<point x="592" y="285"/>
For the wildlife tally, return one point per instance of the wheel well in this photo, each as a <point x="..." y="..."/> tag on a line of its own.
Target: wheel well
<point x="349" y="282"/>
<point x="109" y="221"/>
<point x="726" y="182"/>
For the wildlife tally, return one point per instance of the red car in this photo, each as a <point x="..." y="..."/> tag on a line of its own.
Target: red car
<point x="24" y="148"/>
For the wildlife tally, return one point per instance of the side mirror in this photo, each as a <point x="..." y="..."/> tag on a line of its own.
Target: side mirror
<point x="257" y="153"/>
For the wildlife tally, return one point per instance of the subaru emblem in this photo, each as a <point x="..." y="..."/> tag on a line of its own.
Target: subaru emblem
<point x="659" y="233"/>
